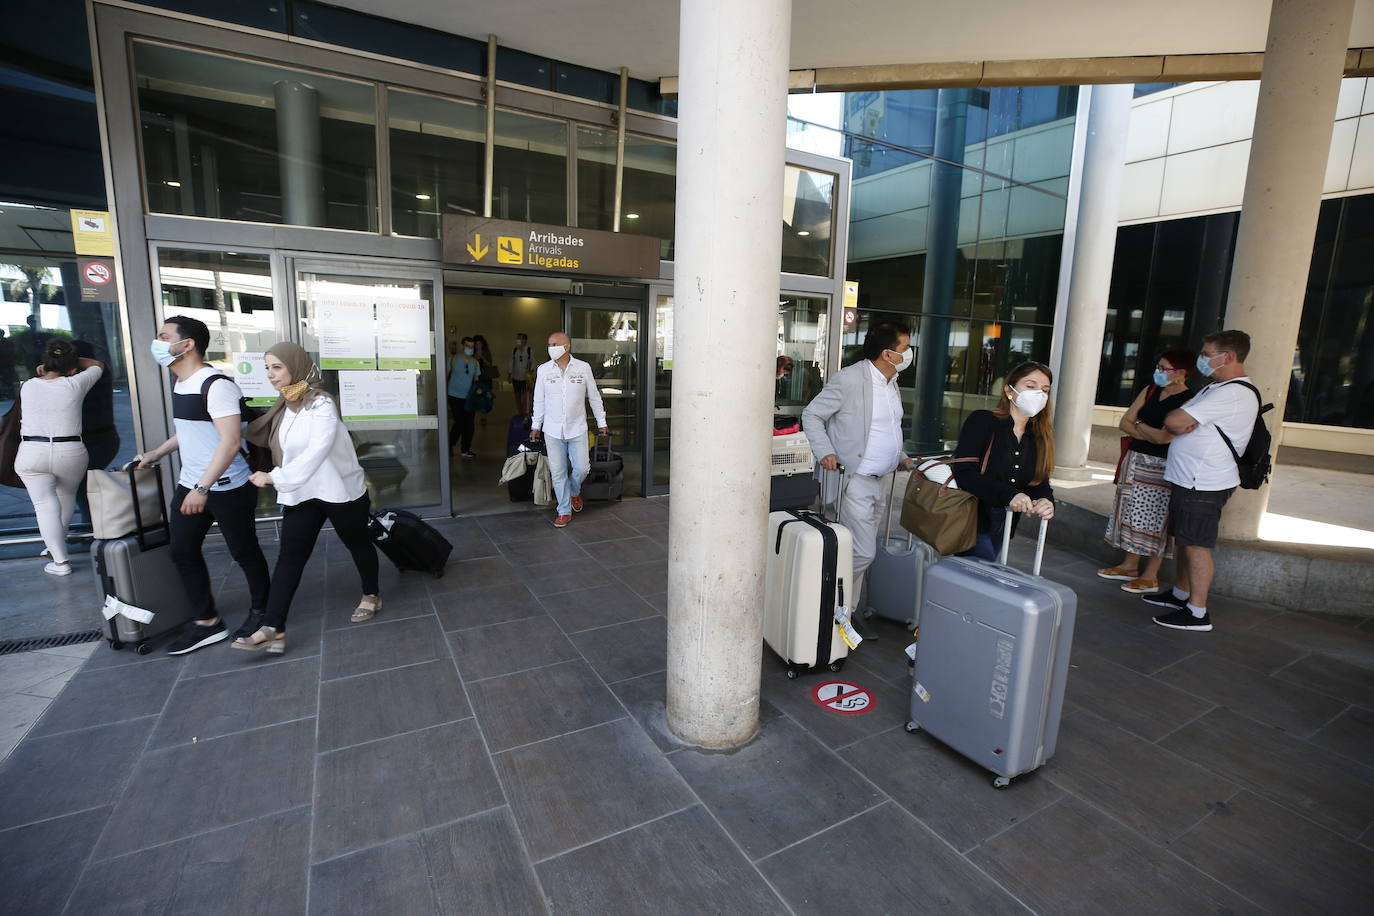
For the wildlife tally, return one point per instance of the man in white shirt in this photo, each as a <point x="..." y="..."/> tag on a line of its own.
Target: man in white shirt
<point x="213" y="485"/>
<point x="856" y="421"/>
<point x="521" y="362"/>
<point x="562" y="386"/>
<point x="1202" y="473"/>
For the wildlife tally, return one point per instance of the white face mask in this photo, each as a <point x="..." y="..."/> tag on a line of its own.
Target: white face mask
<point x="1031" y="401"/>
<point x="162" y="352"/>
<point x="556" y="351"/>
<point x="907" y="356"/>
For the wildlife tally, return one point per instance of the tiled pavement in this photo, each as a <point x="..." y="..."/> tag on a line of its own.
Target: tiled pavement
<point x="494" y="742"/>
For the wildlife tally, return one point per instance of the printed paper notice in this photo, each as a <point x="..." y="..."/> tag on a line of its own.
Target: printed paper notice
<point x="346" y="333"/>
<point x="251" y="376"/>
<point x="385" y="395"/>
<point x="403" y="334"/>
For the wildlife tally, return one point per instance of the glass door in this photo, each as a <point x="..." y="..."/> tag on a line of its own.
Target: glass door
<point x="371" y="328"/>
<point x="606" y="336"/>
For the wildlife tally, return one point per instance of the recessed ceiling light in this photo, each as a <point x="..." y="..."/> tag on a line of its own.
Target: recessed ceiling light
<point x="422" y="197"/>
<point x="804" y="232"/>
<point x="172" y="184"/>
<point x="632" y="216"/>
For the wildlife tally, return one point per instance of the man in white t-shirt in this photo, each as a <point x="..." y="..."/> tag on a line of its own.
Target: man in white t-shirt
<point x="563" y="387"/>
<point x="213" y="485"/>
<point x="1202" y="472"/>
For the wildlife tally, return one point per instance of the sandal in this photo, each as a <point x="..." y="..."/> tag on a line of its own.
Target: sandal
<point x="1117" y="572"/>
<point x="265" y="638"/>
<point x="367" y="608"/>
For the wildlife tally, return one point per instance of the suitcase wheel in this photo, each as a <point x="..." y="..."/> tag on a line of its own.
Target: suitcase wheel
<point x="837" y="665"/>
<point x="115" y="644"/>
<point x="144" y="648"/>
<point x="791" y="674"/>
<point x="912" y="727"/>
<point x="1001" y="782"/>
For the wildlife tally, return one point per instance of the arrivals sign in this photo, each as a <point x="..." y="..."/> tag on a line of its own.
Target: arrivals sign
<point x="537" y="248"/>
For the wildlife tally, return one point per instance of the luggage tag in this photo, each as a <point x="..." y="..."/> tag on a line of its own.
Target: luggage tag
<point x="850" y="636"/>
<point x="113" y="606"/>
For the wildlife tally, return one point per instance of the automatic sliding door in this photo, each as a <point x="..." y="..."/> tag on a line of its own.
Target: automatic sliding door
<point x="607" y="338"/>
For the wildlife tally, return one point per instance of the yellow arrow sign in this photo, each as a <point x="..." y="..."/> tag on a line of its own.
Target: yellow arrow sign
<point x="476" y="248"/>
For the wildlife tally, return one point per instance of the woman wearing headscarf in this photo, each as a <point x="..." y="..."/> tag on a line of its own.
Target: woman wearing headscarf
<point x="317" y="477"/>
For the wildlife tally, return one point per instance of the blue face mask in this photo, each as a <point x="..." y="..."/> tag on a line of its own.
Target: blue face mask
<point x="467" y="351"/>
<point x="1204" y="365"/>
<point x="1161" y="378"/>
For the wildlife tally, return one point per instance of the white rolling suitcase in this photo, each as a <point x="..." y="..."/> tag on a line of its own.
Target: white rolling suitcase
<point x="993" y="660"/>
<point x="810" y="574"/>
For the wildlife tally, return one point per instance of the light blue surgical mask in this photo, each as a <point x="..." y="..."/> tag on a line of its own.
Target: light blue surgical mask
<point x="1162" y="378"/>
<point x="467" y="351"/>
<point x="1204" y="364"/>
<point x="162" y="352"/>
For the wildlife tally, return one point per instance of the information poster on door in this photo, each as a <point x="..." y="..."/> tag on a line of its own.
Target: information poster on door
<point x="251" y="376"/>
<point x="404" y="340"/>
<point x="347" y="333"/>
<point x="380" y="395"/>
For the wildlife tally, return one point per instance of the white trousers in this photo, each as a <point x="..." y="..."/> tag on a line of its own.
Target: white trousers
<point x="52" y="472"/>
<point x="861" y="510"/>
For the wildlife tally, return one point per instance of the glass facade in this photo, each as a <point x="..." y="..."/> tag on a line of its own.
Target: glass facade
<point x="531" y="170"/>
<point x="437" y="149"/>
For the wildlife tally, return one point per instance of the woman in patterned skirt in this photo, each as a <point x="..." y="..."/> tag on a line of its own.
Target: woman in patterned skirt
<point x="1140" y="512"/>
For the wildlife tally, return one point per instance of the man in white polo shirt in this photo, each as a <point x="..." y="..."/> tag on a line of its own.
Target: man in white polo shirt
<point x="1202" y="472"/>
<point x="562" y="388"/>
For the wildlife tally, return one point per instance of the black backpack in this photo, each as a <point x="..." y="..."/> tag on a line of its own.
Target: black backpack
<point x="258" y="458"/>
<point x="1254" y="464"/>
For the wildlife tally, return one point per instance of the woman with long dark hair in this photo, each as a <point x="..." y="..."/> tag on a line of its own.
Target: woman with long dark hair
<point x="1013" y="444"/>
<point x="317" y="477"/>
<point x="52" y="459"/>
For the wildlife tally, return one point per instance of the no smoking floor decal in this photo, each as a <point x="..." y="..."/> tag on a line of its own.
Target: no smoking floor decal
<point x="843" y="697"/>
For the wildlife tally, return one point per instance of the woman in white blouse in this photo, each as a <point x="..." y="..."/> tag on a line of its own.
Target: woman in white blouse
<point x="317" y="477"/>
<point x="51" y="459"/>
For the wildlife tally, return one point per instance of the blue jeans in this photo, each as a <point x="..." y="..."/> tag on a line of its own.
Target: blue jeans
<point x="982" y="548"/>
<point x="563" y="452"/>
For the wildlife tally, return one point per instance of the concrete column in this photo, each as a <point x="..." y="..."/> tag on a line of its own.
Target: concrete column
<point x="1304" y="58"/>
<point x="299" y="156"/>
<point x="732" y="108"/>
<point x="1090" y="276"/>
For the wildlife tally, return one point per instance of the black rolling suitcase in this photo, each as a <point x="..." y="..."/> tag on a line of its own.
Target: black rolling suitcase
<point x="521" y="489"/>
<point x="409" y="542"/>
<point x="606" y="477"/>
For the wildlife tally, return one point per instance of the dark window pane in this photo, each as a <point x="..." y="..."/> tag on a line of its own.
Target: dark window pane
<point x="586" y="83"/>
<point x="437" y="154"/>
<point x="808" y="210"/>
<point x="260" y="14"/>
<point x="643" y="95"/>
<point x="526" y="69"/>
<point x="350" y="29"/>
<point x="531" y="171"/>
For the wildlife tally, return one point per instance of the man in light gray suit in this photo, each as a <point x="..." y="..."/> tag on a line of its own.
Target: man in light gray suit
<point x="856" y="421"/>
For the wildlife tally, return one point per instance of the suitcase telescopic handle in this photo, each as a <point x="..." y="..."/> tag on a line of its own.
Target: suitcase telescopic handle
<point x="838" y="477"/>
<point x="887" y="531"/>
<point x="1039" y="542"/>
<point x="130" y="469"/>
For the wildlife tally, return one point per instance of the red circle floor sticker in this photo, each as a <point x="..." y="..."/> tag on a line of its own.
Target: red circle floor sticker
<point x="843" y="697"/>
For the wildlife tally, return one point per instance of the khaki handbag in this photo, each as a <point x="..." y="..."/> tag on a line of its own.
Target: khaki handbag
<point x="944" y="517"/>
<point x="111" y="495"/>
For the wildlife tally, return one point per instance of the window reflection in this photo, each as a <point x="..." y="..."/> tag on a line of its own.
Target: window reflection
<point x="807" y="209"/>
<point x="531" y="172"/>
<point x="230" y="291"/>
<point x="437" y="155"/>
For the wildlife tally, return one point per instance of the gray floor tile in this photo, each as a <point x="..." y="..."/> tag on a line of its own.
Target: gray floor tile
<point x="659" y="602"/>
<point x="646" y="699"/>
<point x="23" y="670"/>
<point x="416" y="604"/>
<point x="1253" y="694"/>
<point x="473" y="547"/>
<point x="43" y="861"/>
<point x="374" y="647"/>
<point x="1147" y="788"/>
<point x="1314" y="634"/>
<point x="374" y="792"/>
<point x="549" y="548"/>
<point x="565" y="576"/>
<point x="391" y="878"/>
<point x="782" y="786"/>
<point x="589" y="608"/>
<point x="625" y="874"/>
<point x="18" y="712"/>
<point x="602" y="527"/>
<point x="638" y="512"/>
<point x="1097" y="859"/>
<point x="1352" y="683"/>
<point x="208" y="707"/>
<point x="626" y="650"/>
<point x="254" y="867"/>
<point x="516" y="526"/>
<point x="503" y="648"/>
<point x="479" y="607"/>
<point x="191" y="788"/>
<point x="1142" y="647"/>
<point x="656" y="532"/>
<point x="480" y="573"/>
<point x="1252" y="649"/>
<point x="950" y="794"/>
<point x="906" y="869"/>
<point x="891" y="704"/>
<point x="1279" y="859"/>
<point x="627" y="552"/>
<point x="644" y="578"/>
<point x="385" y="703"/>
<point x="1351" y="733"/>
<point x="1147" y="706"/>
<point x="1325" y="786"/>
<point x="73" y="771"/>
<point x="533" y="705"/>
<point x="558" y="806"/>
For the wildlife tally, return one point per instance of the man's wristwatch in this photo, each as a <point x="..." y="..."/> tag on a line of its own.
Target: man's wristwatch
<point x="203" y="491"/>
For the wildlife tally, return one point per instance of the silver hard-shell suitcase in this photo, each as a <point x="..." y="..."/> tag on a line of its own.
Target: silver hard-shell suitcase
<point x="895" y="581"/>
<point x="137" y="569"/>
<point x="993" y="660"/>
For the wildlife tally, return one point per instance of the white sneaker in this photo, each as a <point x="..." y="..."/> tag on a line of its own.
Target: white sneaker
<point x="58" y="569"/>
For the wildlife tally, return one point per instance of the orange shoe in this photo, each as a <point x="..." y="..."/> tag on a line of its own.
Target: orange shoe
<point x="1142" y="587"/>
<point x="577" y="503"/>
<point x="1116" y="572"/>
<point x="562" y="521"/>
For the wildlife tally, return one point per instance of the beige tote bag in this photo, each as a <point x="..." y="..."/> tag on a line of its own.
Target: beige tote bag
<point x="112" y="494"/>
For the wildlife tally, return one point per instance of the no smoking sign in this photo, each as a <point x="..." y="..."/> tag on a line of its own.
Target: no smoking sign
<point x="97" y="273"/>
<point x="843" y="697"/>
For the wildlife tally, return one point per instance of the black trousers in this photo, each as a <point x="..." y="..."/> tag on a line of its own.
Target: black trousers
<point x="300" y="528"/>
<point x="461" y="428"/>
<point x="234" y="510"/>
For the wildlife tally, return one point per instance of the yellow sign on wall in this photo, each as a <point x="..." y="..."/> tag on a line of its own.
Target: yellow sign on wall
<point x="92" y="233"/>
